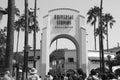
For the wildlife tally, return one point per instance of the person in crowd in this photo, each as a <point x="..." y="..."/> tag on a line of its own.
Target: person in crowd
<point x="93" y="75"/>
<point x="48" y="76"/>
<point x="74" y="76"/>
<point x="84" y="75"/>
<point x="7" y="75"/>
<point x="33" y="74"/>
<point x="65" y="77"/>
<point x="69" y="76"/>
<point x="118" y="77"/>
<point x="81" y="74"/>
<point x="112" y="76"/>
<point x="55" y="77"/>
<point x="40" y="77"/>
<point x="62" y="76"/>
<point x="104" y="76"/>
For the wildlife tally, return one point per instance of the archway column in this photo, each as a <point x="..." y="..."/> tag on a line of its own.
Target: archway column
<point x="44" y="64"/>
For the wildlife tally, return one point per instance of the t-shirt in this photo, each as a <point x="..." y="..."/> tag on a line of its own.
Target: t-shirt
<point x="49" y="77"/>
<point x="92" y="77"/>
<point x="33" y="77"/>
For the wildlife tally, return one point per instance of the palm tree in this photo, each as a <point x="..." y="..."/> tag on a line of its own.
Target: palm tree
<point x="31" y="18"/>
<point x="20" y="25"/>
<point x="31" y="23"/>
<point x="93" y="14"/>
<point x="108" y="21"/>
<point x="10" y="35"/>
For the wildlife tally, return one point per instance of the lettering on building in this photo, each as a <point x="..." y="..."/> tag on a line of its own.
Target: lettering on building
<point x="63" y="21"/>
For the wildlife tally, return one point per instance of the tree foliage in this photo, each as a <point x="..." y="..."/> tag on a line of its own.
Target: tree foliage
<point x="2" y="43"/>
<point x="20" y="23"/>
<point x="107" y="20"/>
<point x="93" y="16"/>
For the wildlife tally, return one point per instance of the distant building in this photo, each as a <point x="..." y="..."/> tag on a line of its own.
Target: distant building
<point x="65" y="59"/>
<point x="69" y="57"/>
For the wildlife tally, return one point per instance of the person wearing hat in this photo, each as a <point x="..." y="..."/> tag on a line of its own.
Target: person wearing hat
<point x="33" y="74"/>
<point x="93" y="75"/>
<point x="7" y="75"/>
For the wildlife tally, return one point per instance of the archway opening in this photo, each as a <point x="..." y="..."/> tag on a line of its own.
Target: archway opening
<point x="63" y="54"/>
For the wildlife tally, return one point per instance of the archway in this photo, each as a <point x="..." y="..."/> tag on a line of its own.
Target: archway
<point x="64" y="57"/>
<point x="63" y="23"/>
<point x="74" y="42"/>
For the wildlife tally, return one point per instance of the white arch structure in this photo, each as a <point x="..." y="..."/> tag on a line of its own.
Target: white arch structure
<point x="63" y="23"/>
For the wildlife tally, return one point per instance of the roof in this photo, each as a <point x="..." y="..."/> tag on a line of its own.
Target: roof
<point x="97" y="59"/>
<point x="114" y="49"/>
<point x="95" y="55"/>
<point x="64" y="9"/>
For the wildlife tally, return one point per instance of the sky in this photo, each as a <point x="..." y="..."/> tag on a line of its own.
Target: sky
<point x="109" y="6"/>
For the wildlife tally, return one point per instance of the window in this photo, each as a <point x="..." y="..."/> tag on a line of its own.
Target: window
<point x="70" y="59"/>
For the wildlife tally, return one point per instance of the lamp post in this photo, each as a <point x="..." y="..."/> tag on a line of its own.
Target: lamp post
<point x="34" y="33"/>
<point x="101" y="40"/>
<point x="34" y="46"/>
<point x="26" y="42"/>
<point x="26" y="59"/>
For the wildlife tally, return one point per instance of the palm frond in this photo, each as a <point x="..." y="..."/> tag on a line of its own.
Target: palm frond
<point x="108" y="19"/>
<point x="93" y="13"/>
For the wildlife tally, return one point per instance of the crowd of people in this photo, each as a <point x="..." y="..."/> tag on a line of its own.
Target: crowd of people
<point x="78" y="75"/>
<point x="81" y="75"/>
<point x="94" y="75"/>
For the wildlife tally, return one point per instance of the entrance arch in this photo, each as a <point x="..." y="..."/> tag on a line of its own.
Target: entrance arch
<point x="63" y="23"/>
<point x="73" y="40"/>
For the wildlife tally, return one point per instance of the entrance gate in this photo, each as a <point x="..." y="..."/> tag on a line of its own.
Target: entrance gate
<point x="63" y="23"/>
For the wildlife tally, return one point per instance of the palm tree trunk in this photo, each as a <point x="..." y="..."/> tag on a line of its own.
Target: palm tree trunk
<point x="34" y="63"/>
<point x="101" y="40"/>
<point x="99" y="46"/>
<point x="107" y="38"/>
<point x="94" y="35"/>
<point x="17" y="68"/>
<point x="10" y="35"/>
<point x="17" y="40"/>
